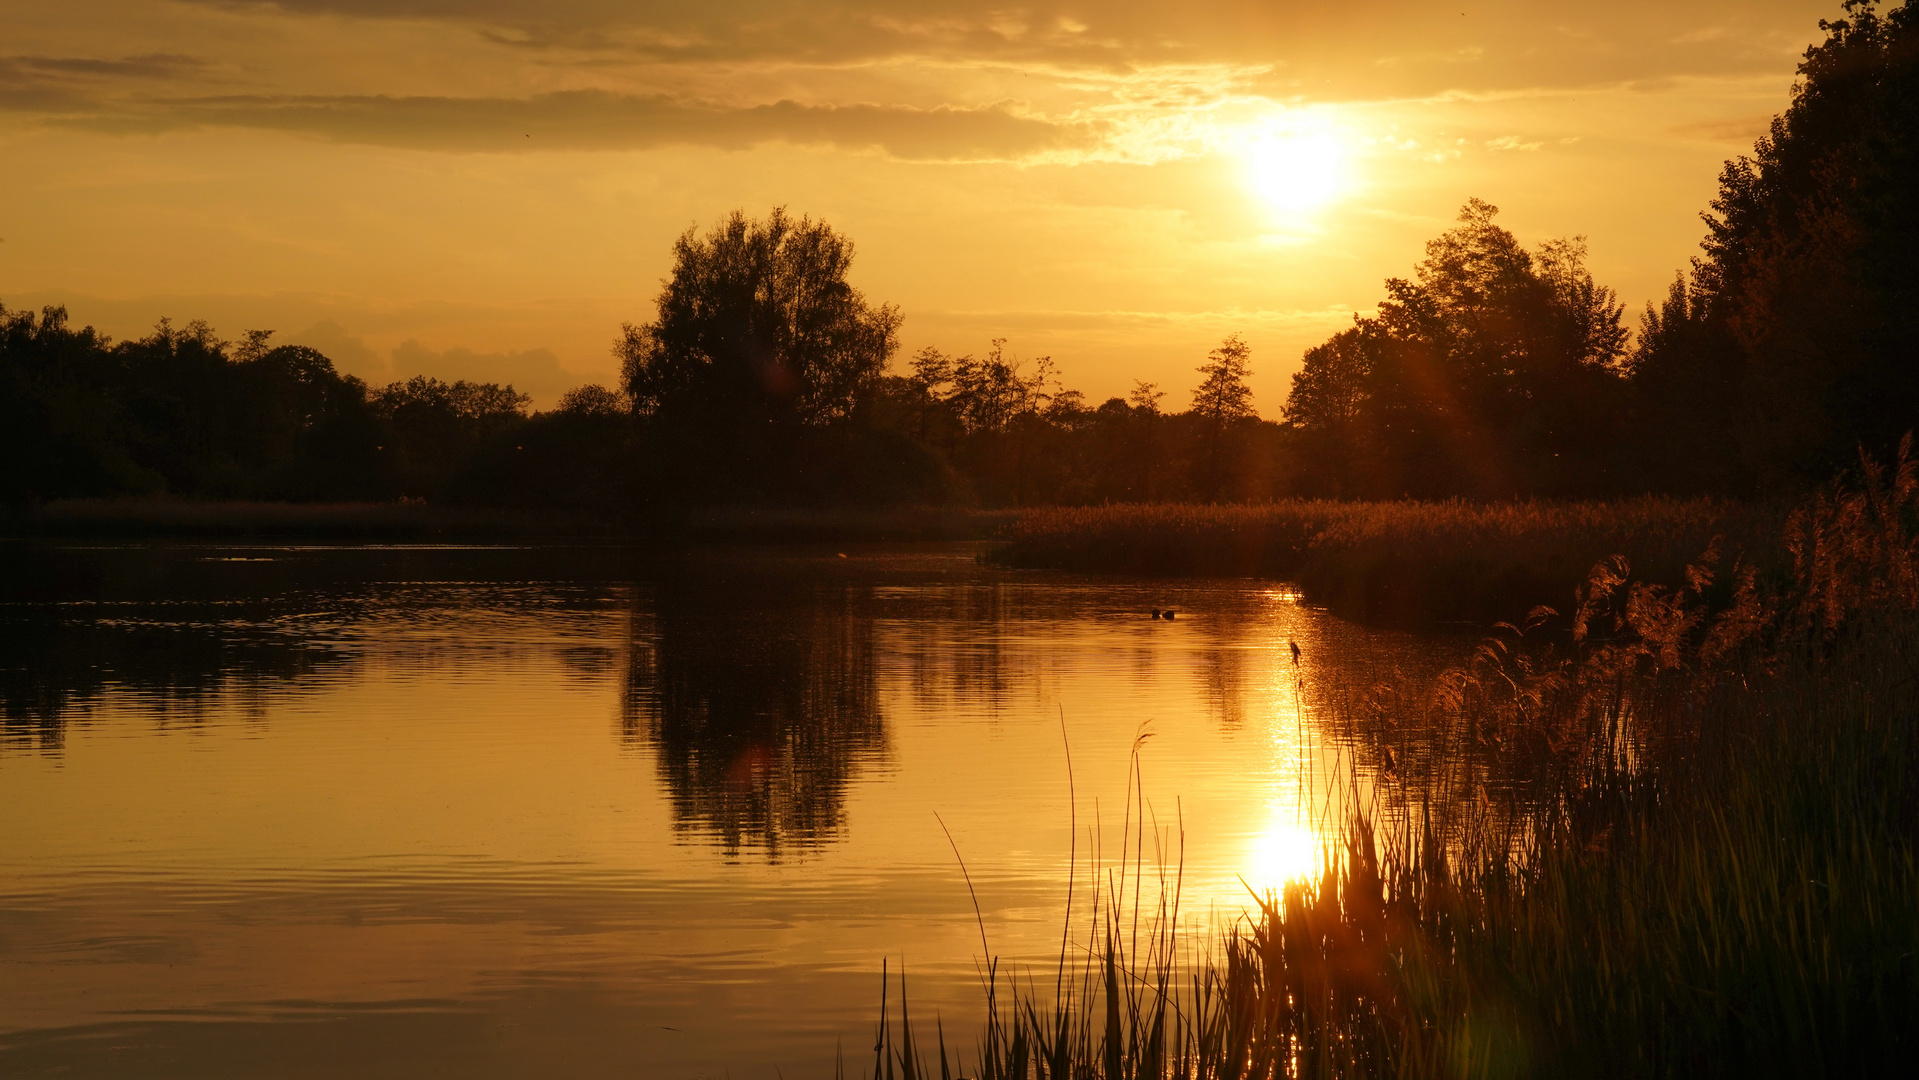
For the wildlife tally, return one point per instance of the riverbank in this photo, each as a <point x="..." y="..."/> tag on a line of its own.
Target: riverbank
<point x="421" y="522"/>
<point x="1402" y="562"/>
<point x="1396" y="563"/>
<point x="1682" y="844"/>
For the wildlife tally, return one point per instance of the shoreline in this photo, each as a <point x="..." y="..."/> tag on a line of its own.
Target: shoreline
<point x="1380" y="563"/>
<point x="372" y="522"/>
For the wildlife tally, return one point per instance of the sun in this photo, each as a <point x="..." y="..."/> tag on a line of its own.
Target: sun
<point x="1296" y="169"/>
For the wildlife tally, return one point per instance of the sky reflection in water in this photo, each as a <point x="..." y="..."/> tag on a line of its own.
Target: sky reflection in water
<point x="508" y="812"/>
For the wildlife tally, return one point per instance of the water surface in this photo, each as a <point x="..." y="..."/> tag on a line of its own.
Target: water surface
<point x="537" y="812"/>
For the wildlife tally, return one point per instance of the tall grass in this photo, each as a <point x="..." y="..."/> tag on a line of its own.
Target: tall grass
<point x="1681" y="845"/>
<point x="1396" y="561"/>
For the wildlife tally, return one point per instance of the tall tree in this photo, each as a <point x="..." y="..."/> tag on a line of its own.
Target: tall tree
<point x="1796" y="338"/>
<point x="1224" y="395"/>
<point x="1221" y="398"/>
<point x="1493" y="371"/>
<point x="757" y="324"/>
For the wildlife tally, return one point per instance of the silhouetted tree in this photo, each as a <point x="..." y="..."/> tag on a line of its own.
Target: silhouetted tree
<point x="437" y="425"/>
<point x="1796" y="336"/>
<point x="62" y="426"/>
<point x="1221" y="398"/>
<point x="592" y="400"/>
<point x="758" y="324"/>
<point x="759" y="345"/>
<point x="1494" y="371"/>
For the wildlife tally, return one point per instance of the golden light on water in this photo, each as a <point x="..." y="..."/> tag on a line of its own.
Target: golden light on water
<point x="1287" y="851"/>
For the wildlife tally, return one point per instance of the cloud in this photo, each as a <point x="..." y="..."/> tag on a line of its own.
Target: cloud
<point x="1504" y="42"/>
<point x="602" y="120"/>
<point x="1742" y="131"/>
<point x="350" y="354"/>
<point x="1512" y="142"/>
<point x="742" y="30"/>
<point x="72" y="84"/>
<point x="150" y="66"/>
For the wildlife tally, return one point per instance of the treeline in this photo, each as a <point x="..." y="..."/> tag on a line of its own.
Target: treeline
<point x="762" y="381"/>
<point x="1789" y="343"/>
<point x="1493" y="372"/>
<point x="182" y="412"/>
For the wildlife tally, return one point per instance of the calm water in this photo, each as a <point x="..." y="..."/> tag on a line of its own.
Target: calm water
<point x="478" y="812"/>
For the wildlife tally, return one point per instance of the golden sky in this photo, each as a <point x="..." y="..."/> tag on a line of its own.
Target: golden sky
<point x="488" y="188"/>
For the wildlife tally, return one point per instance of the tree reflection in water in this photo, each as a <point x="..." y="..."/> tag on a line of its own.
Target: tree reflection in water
<point x="758" y="693"/>
<point x="56" y="667"/>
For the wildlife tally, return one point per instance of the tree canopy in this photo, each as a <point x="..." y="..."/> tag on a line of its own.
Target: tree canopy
<point x="1794" y="338"/>
<point x="1487" y="373"/>
<point x="757" y="323"/>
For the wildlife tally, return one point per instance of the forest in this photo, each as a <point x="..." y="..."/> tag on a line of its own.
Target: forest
<point x="1493" y="371"/>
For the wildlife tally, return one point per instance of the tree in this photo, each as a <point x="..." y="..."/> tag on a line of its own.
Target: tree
<point x="757" y="325"/>
<point x="989" y="391"/>
<point x="1494" y="371"/>
<point x="62" y="427"/>
<point x="1142" y="442"/>
<point x="1221" y="398"/>
<point x="1330" y="388"/>
<point x="1795" y="339"/>
<point x="1223" y="395"/>
<point x="591" y="400"/>
<point x="437" y="425"/>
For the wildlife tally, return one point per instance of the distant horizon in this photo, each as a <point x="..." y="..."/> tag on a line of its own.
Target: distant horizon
<point x="1117" y="188"/>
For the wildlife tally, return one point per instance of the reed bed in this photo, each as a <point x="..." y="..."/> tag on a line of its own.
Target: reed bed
<point x="1399" y="561"/>
<point x="1678" y="840"/>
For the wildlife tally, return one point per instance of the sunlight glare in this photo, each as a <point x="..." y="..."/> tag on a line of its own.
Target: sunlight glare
<point x="1286" y="852"/>
<point x="1296" y="169"/>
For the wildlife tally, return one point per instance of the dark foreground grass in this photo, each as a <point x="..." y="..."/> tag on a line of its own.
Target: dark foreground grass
<point x="1683" y="847"/>
<point x="1399" y="561"/>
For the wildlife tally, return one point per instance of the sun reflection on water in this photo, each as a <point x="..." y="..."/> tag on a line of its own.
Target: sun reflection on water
<point x="1285" y="852"/>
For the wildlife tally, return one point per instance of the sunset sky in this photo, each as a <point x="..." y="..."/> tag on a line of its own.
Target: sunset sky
<point x="489" y="188"/>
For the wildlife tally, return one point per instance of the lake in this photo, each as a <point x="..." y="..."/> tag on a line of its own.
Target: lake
<point x="364" y="811"/>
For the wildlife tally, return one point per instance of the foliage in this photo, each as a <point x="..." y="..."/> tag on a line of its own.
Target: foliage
<point x="185" y="413"/>
<point x="1482" y="376"/>
<point x="1223" y="396"/>
<point x="1792" y="339"/>
<point x="757" y="324"/>
<point x="592" y="400"/>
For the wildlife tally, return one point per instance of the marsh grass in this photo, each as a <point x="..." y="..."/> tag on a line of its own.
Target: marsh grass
<point x="1678" y="841"/>
<point x="1399" y="561"/>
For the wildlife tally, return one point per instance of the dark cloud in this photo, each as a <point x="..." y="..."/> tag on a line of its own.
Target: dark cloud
<point x="150" y="66"/>
<point x="65" y="85"/>
<point x="596" y="119"/>
<point x="1388" y="47"/>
